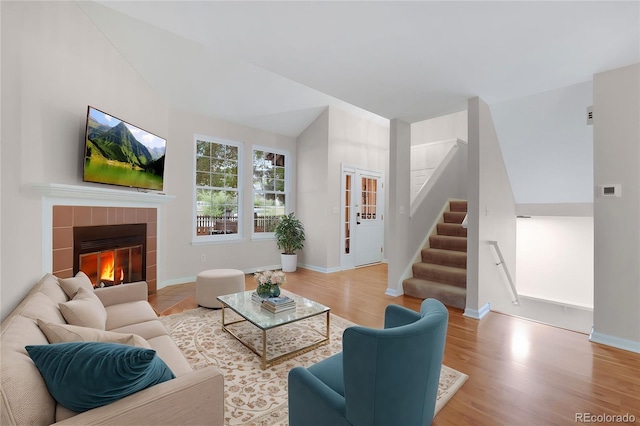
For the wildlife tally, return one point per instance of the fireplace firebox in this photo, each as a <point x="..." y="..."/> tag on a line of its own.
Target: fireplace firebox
<point x="110" y="254"/>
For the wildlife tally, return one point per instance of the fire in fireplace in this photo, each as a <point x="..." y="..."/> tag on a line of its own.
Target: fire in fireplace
<point x="110" y="254"/>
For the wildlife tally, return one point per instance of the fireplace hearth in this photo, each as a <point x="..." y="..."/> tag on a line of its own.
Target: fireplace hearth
<point x="110" y="254"/>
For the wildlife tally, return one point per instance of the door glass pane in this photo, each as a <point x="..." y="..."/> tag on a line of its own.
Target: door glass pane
<point x="369" y="198"/>
<point x="347" y="215"/>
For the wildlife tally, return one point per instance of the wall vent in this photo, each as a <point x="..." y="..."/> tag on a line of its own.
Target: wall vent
<point x="590" y="115"/>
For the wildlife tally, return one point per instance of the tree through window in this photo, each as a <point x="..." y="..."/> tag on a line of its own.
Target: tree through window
<point x="217" y="191"/>
<point x="270" y="189"/>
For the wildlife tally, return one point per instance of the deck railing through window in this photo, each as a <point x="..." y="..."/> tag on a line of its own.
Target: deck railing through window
<point x="214" y="225"/>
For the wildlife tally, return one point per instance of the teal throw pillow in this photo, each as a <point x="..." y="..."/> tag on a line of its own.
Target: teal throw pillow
<point x="86" y="375"/>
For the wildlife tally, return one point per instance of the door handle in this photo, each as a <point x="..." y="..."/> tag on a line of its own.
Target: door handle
<point x="357" y="218"/>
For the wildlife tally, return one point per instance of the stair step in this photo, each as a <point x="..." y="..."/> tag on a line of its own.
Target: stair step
<point x="454" y="217"/>
<point x="449" y="295"/>
<point x="453" y="258"/>
<point x="440" y="274"/>
<point x="458" y="206"/>
<point x="448" y="243"/>
<point x="452" y="229"/>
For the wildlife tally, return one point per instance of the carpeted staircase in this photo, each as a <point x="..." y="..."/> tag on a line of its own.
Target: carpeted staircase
<point x="442" y="274"/>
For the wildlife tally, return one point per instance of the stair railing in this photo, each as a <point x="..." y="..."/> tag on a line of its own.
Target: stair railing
<point x="514" y="292"/>
<point x="429" y="184"/>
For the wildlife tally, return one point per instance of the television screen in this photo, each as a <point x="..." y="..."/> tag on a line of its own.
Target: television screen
<point x="119" y="153"/>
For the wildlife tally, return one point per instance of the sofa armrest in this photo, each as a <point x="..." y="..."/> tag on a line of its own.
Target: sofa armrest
<point x="196" y="398"/>
<point x="123" y="293"/>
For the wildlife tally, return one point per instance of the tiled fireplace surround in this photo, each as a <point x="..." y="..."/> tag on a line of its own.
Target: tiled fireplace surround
<point x="65" y="218"/>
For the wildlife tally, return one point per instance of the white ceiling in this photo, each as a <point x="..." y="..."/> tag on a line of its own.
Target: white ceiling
<point x="277" y="65"/>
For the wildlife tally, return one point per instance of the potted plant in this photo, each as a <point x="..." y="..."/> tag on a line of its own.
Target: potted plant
<point x="289" y="237"/>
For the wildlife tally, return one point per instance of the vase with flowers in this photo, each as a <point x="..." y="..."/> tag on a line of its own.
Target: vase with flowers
<point x="269" y="283"/>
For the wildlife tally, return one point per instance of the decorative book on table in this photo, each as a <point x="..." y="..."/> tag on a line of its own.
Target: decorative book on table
<point x="275" y="304"/>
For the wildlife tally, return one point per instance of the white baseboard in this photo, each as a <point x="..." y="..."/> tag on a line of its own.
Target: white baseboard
<point x="393" y="292"/>
<point x="616" y="342"/>
<point x="478" y="313"/>
<point x="185" y="280"/>
<point x="176" y="281"/>
<point x="319" y="269"/>
<point x="262" y="268"/>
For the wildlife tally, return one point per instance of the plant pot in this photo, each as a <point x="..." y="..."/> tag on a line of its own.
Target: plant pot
<point x="289" y="262"/>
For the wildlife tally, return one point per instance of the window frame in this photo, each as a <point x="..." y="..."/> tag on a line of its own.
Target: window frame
<point x="287" y="188"/>
<point x="205" y="239"/>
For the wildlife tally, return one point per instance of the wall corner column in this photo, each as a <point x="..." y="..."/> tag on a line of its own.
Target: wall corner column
<point x="616" y="154"/>
<point x="399" y="205"/>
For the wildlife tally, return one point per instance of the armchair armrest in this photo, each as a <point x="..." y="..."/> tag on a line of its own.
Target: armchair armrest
<point x="312" y="403"/>
<point x="123" y="293"/>
<point x="196" y="398"/>
<point x="396" y="316"/>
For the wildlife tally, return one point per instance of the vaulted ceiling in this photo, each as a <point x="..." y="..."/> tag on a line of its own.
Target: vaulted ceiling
<point x="277" y="65"/>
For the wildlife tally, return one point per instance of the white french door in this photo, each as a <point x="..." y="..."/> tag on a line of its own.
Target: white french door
<point x="362" y="234"/>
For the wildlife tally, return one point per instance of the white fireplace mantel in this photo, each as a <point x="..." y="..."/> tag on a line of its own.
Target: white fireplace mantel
<point x="102" y="195"/>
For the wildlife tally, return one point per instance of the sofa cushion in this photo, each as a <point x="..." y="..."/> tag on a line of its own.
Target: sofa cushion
<point x="128" y="313"/>
<point x="85" y="310"/>
<point x="167" y="350"/>
<point x="24" y="394"/>
<point x="41" y="306"/>
<point x="147" y="329"/>
<point x="50" y="286"/>
<point x="61" y="333"/>
<point x="86" y="375"/>
<point x="72" y="285"/>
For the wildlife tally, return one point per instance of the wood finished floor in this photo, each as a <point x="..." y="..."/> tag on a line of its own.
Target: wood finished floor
<point x="520" y="372"/>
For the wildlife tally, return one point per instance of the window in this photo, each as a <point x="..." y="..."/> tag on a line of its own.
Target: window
<point x="270" y="189"/>
<point x="217" y="187"/>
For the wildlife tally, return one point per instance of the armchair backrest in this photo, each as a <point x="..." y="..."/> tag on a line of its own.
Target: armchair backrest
<point x="391" y="375"/>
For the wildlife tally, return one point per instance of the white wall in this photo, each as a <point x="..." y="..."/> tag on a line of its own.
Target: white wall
<point x="547" y="145"/>
<point x="446" y="127"/>
<point x="398" y="251"/>
<point x="491" y="216"/>
<point x="357" y="142"/>
<point x="313" y="204"/>
<point x="548" y="151"/>
<point x="0" y="162"/>
<point x="555" y="259"/>
<point x="425" y="159"/>
<point x="183" y="258"/>
<point x="334" y="138"/>
<point x="616" y="96"/>
<point x="431" y="140"/>
<point x="54" y="63"/>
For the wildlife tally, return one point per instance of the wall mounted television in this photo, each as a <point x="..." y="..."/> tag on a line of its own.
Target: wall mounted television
<point x="119" y="153"/>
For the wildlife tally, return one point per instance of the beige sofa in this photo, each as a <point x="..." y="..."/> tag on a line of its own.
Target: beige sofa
<point x="192" y="398"/>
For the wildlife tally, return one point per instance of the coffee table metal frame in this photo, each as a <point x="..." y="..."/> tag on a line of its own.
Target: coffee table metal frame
<point x="251" y="311"/>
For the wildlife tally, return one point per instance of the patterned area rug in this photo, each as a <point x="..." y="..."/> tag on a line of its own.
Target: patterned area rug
<point x="259" y="397"/>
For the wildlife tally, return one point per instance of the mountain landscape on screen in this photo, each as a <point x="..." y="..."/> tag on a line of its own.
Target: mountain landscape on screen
<point x="119" y="153"/>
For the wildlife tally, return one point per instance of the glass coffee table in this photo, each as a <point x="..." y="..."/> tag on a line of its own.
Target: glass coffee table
<point x="251" y="311"/>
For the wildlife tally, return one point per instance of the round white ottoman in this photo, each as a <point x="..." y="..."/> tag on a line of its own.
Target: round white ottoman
<point x="216" y="282"/>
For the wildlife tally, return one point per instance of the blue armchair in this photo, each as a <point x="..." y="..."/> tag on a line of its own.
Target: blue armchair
<point x="381" y="377"/>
